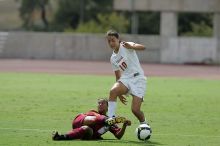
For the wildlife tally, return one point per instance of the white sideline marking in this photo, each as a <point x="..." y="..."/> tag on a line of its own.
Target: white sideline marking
<point x="183" y="135"/>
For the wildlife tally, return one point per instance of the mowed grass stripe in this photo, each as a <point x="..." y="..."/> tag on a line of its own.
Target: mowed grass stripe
<point x="180" y="111"/>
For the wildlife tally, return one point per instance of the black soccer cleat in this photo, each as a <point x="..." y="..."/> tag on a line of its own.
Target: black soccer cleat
<point x="55" y="136"/>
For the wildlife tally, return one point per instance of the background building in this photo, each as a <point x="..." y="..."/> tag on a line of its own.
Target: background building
<point x="20" y="40"/>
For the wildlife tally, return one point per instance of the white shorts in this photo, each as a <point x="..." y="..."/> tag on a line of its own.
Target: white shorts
<point x="136" y="85"/>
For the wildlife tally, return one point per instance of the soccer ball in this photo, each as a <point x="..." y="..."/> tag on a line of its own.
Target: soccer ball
<point x="143" y="132"/>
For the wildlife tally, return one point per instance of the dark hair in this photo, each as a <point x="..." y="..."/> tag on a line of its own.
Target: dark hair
<point x="104" y="99"/>
<point x="113" y="33"/>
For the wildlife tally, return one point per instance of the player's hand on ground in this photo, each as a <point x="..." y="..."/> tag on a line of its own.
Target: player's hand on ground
<point x="127" y="122"/>
<point x="123" y="99"/>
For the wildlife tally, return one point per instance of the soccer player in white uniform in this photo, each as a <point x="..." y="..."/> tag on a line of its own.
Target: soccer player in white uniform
<point x="129" y="75"/>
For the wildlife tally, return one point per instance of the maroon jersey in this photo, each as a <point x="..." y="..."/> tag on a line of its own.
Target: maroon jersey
<point x="98" y="129"/>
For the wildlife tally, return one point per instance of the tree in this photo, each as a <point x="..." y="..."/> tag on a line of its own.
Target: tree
<point x="67" y="14"/>
<point x="149" y="23"/>
<point x="197" y="24"/>
<point x="201" y="29"/>
<point x="42" y="4"/>
<point x="71" y="13"/>
<point x="27" y="10"/>
<point x="103" y="23"/>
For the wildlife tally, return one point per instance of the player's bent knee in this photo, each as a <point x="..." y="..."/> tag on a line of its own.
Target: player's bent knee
<point x="113" y="93"/>
<point x="88" y="132"/>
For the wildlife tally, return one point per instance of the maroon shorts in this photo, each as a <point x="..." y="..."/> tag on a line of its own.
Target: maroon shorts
<point x="78" y="121"/>
<point x="77" y="133"/>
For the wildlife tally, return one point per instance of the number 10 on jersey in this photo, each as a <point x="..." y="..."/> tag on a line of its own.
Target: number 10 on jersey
<point x="123" y="66"/>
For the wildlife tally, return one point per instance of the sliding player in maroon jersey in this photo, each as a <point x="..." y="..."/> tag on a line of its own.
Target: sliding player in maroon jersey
<point x="93" y="124"/>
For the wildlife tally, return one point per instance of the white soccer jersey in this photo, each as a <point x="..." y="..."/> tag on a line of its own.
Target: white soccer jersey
<point x="126" y="61"/>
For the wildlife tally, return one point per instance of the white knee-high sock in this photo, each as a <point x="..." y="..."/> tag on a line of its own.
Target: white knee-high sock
<point x="144" y="122"/>
<point x="111" y="108"/>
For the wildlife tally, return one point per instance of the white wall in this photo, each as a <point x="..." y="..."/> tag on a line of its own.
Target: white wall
<point x="189" y="50"/>
<point x="94" y="47"/>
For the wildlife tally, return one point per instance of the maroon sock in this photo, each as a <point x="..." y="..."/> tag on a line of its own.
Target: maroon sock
<point x="77" y="133"/>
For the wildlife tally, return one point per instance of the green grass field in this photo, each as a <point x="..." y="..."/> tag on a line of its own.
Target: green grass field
<point x="181" y="112"/>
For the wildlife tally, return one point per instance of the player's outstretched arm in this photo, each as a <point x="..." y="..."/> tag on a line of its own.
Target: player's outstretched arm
<point x="120" y="134"/>
<point x="135" y="46"/>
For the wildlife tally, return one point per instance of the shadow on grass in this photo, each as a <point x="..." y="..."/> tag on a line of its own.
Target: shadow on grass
<point x="116" y="141"/>
<point x="147" y="143"/>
